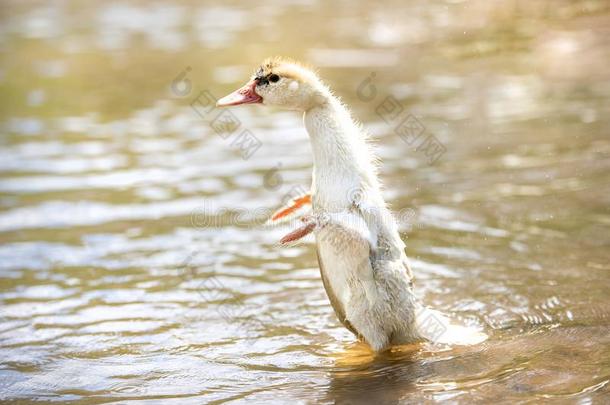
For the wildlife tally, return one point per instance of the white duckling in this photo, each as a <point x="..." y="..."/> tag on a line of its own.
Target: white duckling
<point x="364" y="269"/>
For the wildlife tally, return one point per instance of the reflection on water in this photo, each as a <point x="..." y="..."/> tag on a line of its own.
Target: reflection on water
<point x="134" y="264"/>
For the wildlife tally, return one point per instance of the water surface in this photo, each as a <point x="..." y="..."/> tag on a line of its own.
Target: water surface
<point x="134" y="263"/>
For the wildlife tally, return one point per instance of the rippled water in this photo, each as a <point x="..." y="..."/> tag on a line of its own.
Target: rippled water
<point x="134" y="263"/>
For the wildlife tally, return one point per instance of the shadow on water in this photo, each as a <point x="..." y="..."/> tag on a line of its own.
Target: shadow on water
<point x="515" y="369"/>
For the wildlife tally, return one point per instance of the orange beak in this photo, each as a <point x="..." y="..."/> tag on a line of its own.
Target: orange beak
<point x="245" y="95"/>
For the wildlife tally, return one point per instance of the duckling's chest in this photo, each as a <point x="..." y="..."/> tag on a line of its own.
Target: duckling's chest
<point x="345" y="269"/>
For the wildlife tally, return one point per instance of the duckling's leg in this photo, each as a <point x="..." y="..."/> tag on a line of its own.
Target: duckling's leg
<point x="299" y="232"/>
<point x="300" y="205"/>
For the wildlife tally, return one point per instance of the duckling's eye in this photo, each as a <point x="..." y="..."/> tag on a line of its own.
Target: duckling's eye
<point x="274" y="78"/>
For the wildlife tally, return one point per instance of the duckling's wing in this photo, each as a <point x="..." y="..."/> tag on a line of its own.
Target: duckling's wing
<point x="386" y="242"/>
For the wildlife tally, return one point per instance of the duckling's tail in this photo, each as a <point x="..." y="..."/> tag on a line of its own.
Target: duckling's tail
<point x="436" y="327"/>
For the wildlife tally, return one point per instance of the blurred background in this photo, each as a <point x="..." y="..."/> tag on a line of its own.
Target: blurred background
<point x="133" y="260"/>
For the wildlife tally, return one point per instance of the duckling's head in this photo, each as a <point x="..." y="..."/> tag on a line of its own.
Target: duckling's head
<point x="282" y="83"/>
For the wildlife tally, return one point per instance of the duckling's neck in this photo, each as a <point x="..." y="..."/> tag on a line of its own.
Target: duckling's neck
<point x="343" y="162"/>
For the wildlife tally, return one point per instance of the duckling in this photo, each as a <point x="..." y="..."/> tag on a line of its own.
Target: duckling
<point x="364" y="269"/>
